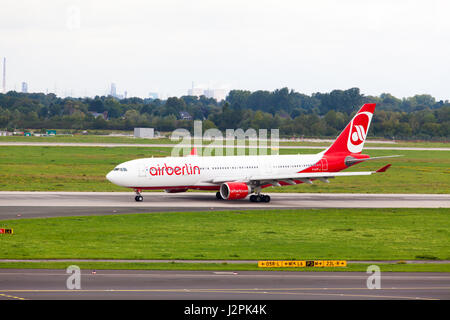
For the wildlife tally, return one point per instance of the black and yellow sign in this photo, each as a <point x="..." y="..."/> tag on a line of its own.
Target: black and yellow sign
<point x="302" y="264"/>
<point x="6" y="231"/>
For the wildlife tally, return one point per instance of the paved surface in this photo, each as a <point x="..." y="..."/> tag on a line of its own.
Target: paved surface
<point x="51" y="204"/>
<point x="112" y="145"/>
<point x="209" y="285"/>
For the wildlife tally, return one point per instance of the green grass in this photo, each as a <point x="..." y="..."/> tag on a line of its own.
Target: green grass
<point x="334" y="234"/>
<point x="65" y="168"/>
<point x="84" y="139"/>
<point x="131" y="140"/>
<point x="44" y="168"/>
<point x="384" y="267"/>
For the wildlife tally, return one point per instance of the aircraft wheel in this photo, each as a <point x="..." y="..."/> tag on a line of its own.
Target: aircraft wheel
<point x="252" y="198"/>
<point x="139" y="198"/>
<point x="266" y="198"/>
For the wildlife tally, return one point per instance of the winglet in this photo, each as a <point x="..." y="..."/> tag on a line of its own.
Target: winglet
<point x="384" y="168"/>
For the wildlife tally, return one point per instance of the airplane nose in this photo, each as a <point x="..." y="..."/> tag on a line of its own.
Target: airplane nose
<point x="109" y="176"/>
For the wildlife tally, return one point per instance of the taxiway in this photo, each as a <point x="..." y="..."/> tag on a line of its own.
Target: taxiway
<point x="54" y="204"/>
<point x="210" y="285"/>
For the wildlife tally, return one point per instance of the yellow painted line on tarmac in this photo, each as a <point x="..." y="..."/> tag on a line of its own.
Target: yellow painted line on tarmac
<point x="327" y="294"/>
<point x="213" y="289"/>
<point x="276" y="291"/>
<point x="11" y="297"/>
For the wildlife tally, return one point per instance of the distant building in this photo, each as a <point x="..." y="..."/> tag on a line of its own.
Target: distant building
<point x="184" y="115"/>
<point x="218" y="94"/>
<point x="24" y="87"/>
<point x="144" y="133"/>
<point x="104" y="114"/>
<point x="153" y="95"/>
<point x="196" y="92"/>
<point x="113" y="90"/>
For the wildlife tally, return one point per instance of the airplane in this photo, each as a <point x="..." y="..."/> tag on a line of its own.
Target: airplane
<point x="236" y="177"/>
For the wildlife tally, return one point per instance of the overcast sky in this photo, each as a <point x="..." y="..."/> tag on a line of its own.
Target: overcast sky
<point x="401" y="47"/>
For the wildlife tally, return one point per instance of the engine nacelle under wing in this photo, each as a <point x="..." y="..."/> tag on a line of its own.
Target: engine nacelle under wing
<point x="234" y="190"/>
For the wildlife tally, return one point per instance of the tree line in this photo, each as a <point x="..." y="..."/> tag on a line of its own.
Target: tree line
<point x="293" y="113"/>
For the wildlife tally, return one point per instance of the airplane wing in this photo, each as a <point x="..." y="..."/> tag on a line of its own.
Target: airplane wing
<point x="304" y="177"/>
<point x="229" y="179"/>
<point x="307" y="177"/>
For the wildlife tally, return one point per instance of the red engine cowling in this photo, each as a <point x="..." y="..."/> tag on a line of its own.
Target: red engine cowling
<point x="234" y="190"/>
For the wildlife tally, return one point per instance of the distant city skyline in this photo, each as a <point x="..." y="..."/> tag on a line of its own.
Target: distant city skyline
<point x="80" y="47"/>
<point x="218" y="94"/>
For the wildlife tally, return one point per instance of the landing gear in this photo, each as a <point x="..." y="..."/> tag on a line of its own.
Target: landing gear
<point x="259" y="198"/>
<point x="218" y="195"/>
<point x="138" y="197"/>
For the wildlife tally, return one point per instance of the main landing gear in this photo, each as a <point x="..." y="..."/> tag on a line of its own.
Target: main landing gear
<point x="253" y="198"/>
<point x="139" y="197"/>
<point x="259" y="198"/>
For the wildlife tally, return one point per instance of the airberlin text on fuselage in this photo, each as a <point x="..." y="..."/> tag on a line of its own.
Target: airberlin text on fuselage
<point x="187" y="169"/>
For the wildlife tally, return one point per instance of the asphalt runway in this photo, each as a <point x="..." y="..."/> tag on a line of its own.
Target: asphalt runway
<point x="209" y="285"/>
<point x="54" y="204"/>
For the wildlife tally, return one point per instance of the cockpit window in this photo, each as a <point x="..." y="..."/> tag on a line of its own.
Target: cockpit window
<point x="120" y="169"/>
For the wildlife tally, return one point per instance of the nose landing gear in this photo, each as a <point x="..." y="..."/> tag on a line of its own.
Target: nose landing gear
<point x="139" y="197"/>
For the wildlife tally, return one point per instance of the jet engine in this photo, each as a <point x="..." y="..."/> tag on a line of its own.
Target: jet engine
<point x="234" y="190"/>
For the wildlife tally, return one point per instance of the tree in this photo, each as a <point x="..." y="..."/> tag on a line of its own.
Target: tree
<point x="132" y="116"/>
<point x="173" y="106"/>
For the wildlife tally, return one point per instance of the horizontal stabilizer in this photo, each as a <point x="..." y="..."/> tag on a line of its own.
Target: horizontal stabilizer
<point x="384" y="168"/>
<point x="351" y="160"/>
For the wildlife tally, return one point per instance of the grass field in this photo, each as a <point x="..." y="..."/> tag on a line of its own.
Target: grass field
<point x="132" y="140"/>
<point x="361" y="267"/>
<point x="44" y="168"/>
<point x="348" y="234"/>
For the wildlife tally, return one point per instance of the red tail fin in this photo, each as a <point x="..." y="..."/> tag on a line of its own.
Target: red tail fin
<point x="352" y="138"/>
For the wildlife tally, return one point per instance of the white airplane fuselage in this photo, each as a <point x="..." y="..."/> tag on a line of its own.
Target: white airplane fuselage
<point x="196" y="172"/>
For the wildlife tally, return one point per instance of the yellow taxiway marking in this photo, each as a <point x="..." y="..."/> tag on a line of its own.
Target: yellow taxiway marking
<point x="11" y="297"/>
<point x="278" y="291"/>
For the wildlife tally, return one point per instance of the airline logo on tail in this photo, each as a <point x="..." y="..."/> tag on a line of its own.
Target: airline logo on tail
<point x="358" y="131"/>
<point x="353" y="136"/>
